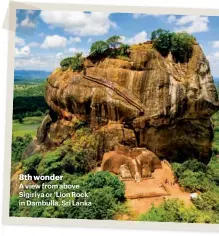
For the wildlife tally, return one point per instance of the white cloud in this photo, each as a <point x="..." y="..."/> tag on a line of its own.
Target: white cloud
<point x="74" y="40"/>
<point x="72" y="50"/>
<point x="89" y="40"/>
<point x="60" y="55"/>
<point x="137" y="16"/>
<point x="214" y="62"/>
<point x="79" y="23"/>
<point x="37" y="63"/>
<point x="19" y="41"/>
<point x="22" y="52"/>
<point x="190" y="24"/>
<point x="171" y="19"/>
<point x="215" y="44"/>
<point x="54" y="41"/>
<point x="27" y="23"/>
<point x="138" y="38"/>
<point x="34" y="44"/>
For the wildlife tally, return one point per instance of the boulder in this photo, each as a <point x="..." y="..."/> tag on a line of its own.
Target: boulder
<point x="146" y="101"/>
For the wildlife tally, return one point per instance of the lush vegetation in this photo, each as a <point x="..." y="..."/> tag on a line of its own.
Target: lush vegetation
<point x="194" y="177"/>
<point x="74" y="157"/>
<point x="105" y="191"/>
<point x="18" y="146"/>
<point x="179" y="44"/>
<point x="112" y="47"/>
<point x="75" y="62"/>
<point x="29" y="100"/>
<point x="175" y="211"/>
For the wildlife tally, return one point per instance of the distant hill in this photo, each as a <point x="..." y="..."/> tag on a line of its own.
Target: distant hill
<point x="216" y="81"/>
<point x="30" y="75"/>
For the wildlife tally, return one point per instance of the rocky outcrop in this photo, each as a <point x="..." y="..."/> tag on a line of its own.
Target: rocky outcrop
<point x="133" y="163"/>
<point x="145" y="101"/>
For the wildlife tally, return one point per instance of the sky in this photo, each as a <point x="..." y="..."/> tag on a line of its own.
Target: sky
<point x="44" y="38"/>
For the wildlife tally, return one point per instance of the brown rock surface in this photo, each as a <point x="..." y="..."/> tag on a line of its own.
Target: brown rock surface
<point x="147" y="101"/>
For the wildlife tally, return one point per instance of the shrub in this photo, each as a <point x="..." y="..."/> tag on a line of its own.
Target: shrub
<point x="114" y="41"/>
<point x="14" y="206"/>
<point x="124" y="50"/>
<point x="75" y="62"/>
<point x="162" y="41"/>
<point x="194" y="175"/>
<point x="171" y="211"/>
<point x="182" y="46"/>
<point x="193" y="181"/>
<point x="51" y="163"/>
<point x="105" y="204"/>
<point x="102" y="179"/>
<point x="192" y="164"/>
<point x="31" y="163"/>
<point x="18" y="146"/>
<point x="179" y="44"/>
<point x="156" y="33"/>
<point x="99" y="48"/>
<point x="66" y="63"/>
<point x="113" y="47"/>
<point x="75" y="157"/>
<point x="207" y="201"/>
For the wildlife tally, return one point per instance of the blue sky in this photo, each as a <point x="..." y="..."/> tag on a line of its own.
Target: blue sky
<point x="43" y="38"/>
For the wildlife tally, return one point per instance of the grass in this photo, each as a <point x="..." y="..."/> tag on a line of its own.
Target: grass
<point x="142" y="46"/>
<point x="29" y="126"/>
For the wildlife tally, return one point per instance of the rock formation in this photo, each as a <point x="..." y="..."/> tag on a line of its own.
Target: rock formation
<point x="129" y="163"/>
<point x="144" y="101"/>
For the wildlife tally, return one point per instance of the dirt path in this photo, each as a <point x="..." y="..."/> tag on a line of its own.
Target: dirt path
<point x="161" y="186"/>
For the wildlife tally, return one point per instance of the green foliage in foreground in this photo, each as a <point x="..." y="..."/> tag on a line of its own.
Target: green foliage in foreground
<point x="75" y="157"/>
<point x="196" y="176"/>
<point x="106" y="193"/>
<point x="18" y="146"/>
<point x="75" y="62"/>
<point x="179" y="44"/>
<point x="175" y="211"/>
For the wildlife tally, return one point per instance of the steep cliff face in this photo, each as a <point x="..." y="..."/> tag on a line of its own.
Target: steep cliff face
<point x="144" y="101"/>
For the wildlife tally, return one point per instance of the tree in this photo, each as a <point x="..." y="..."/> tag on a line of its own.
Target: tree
<point x="103" y="195"/>
<point x="162" y="41"/>
<point x="66" y="63"/>
<point x="157" y="33"/>
<point x="75" y="62"/>
<point x="20" y="119"/>
<point x="124" y="50"/>
<point x="99" y="48"/>
<point x="182" y="46"/>
<point x="31" y="163"/>
<point x="174" y="210"/>
<point x="114" y="41"/>
<point x="18" y="146"/>
<point x="179" y="44"/>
